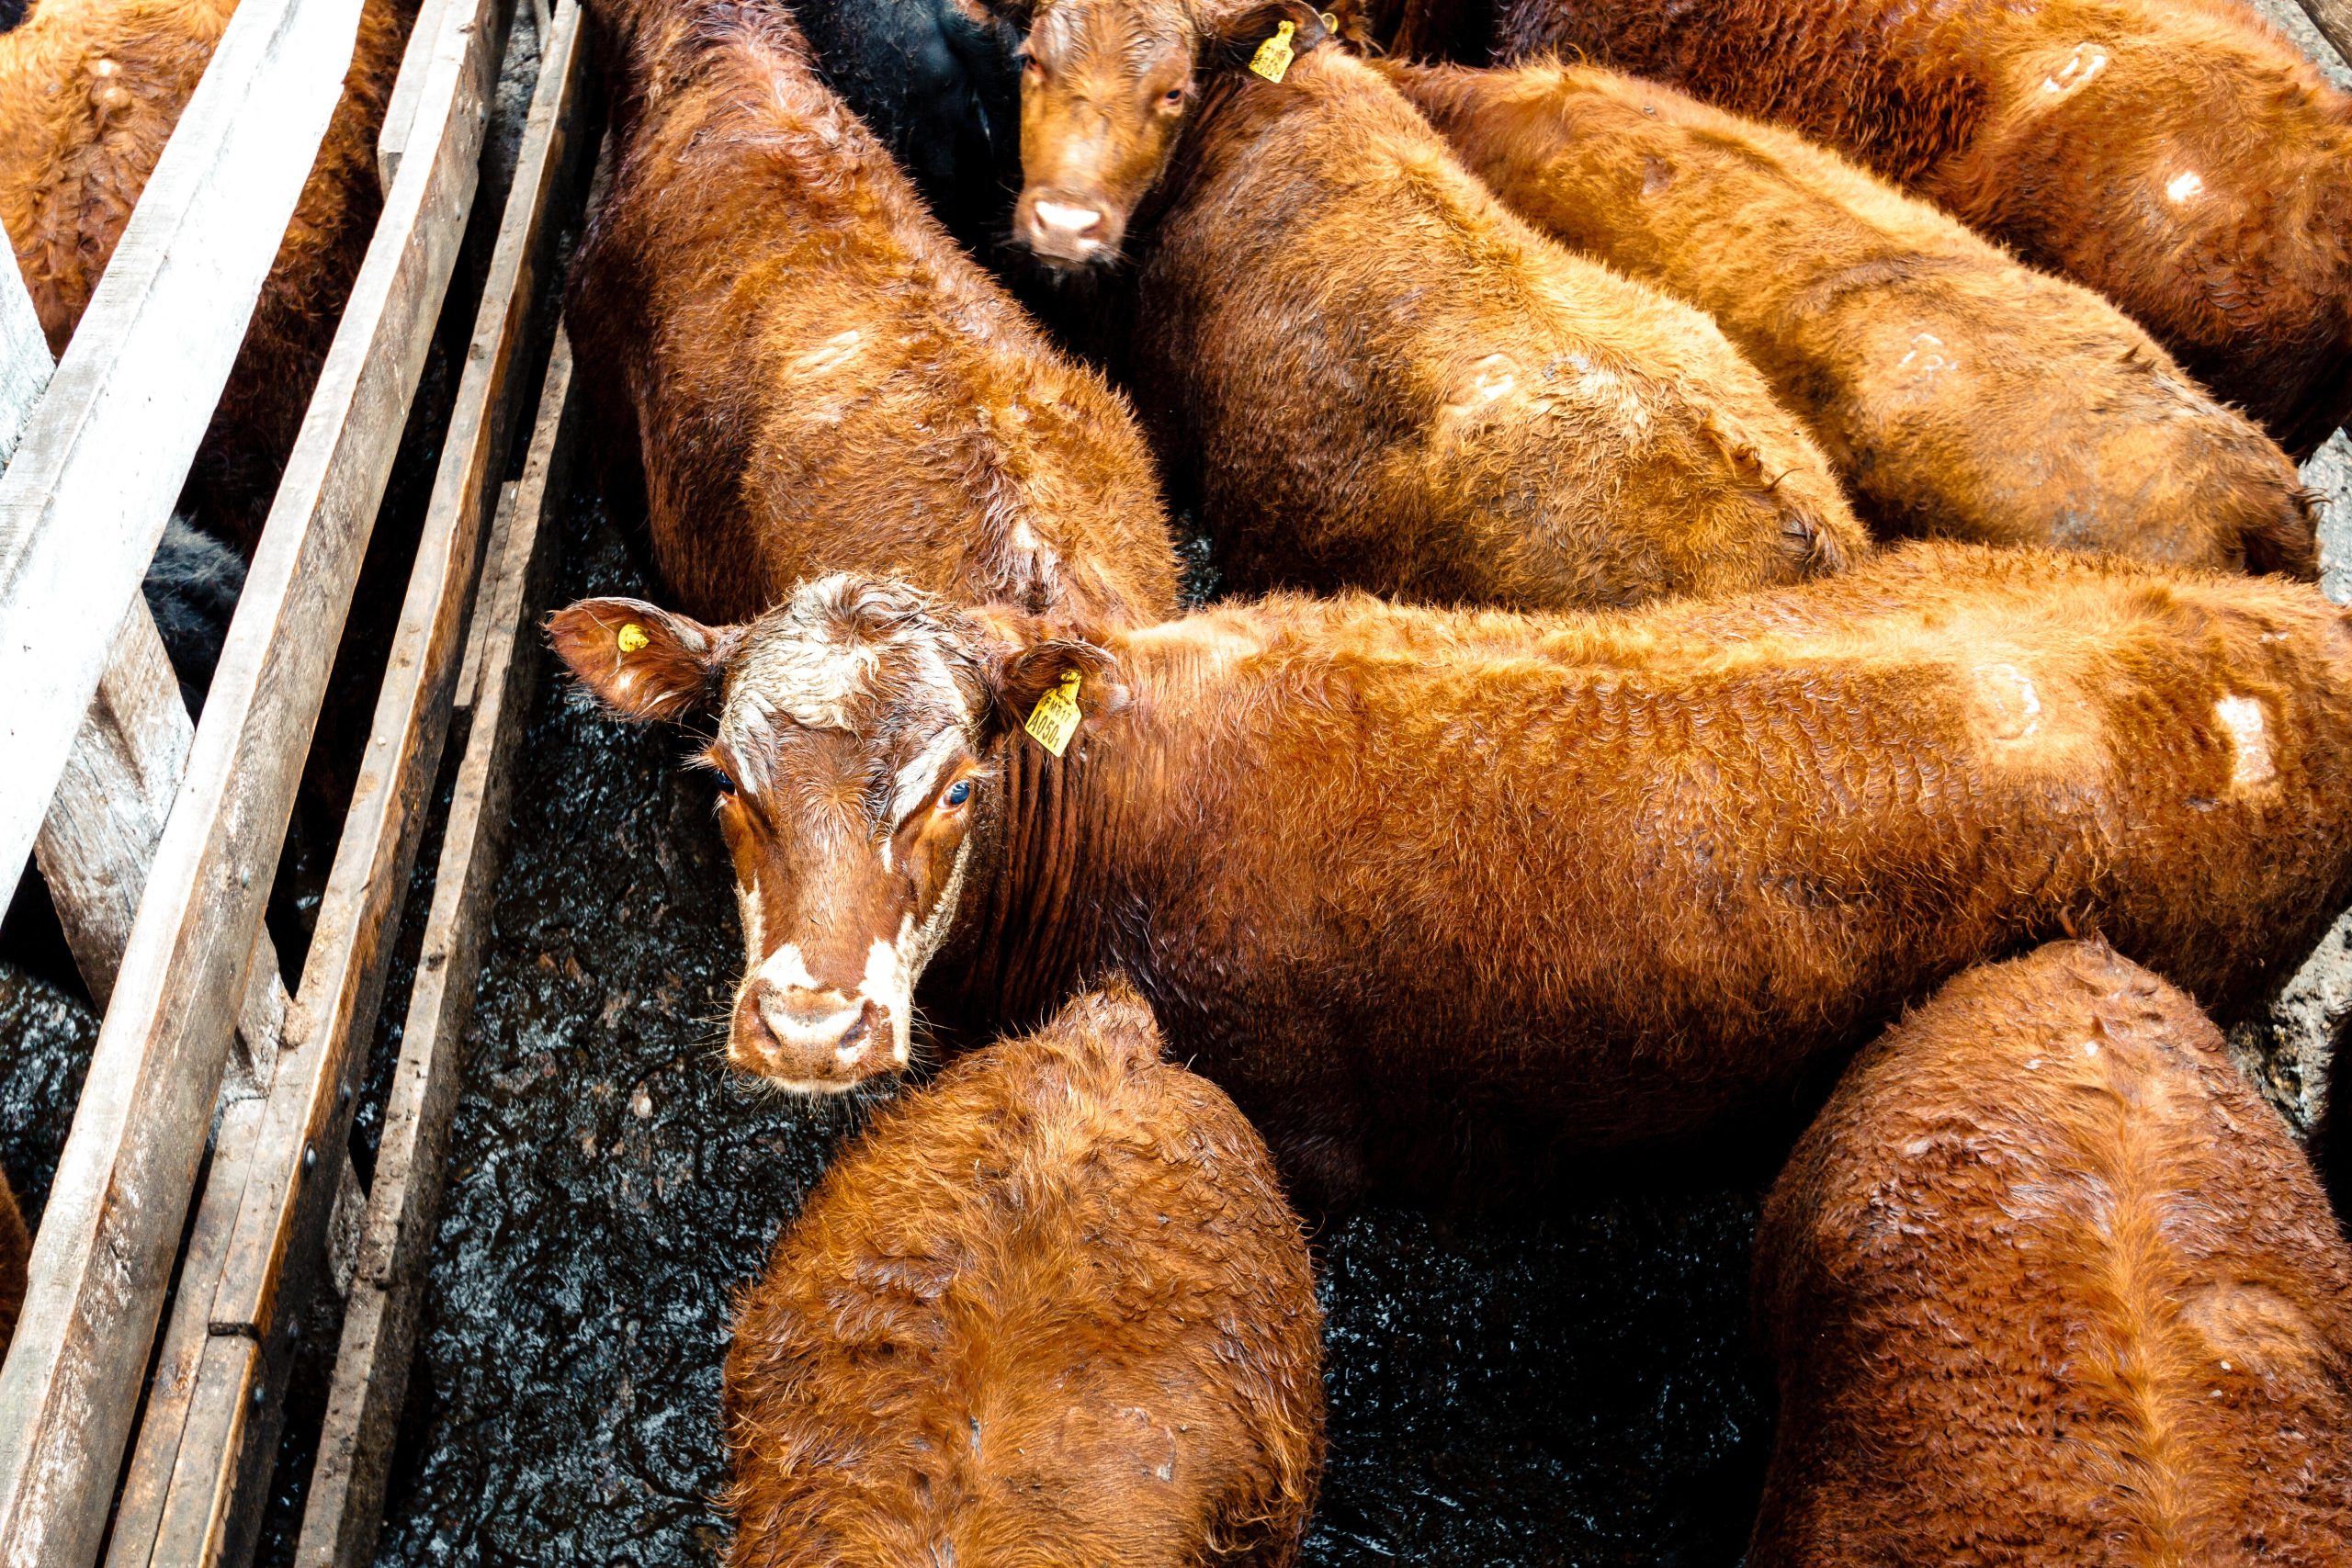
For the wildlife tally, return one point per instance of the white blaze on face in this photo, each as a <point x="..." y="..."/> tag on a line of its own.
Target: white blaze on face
<point x="2251" y="764"/>
<point x="2186" y="185"/>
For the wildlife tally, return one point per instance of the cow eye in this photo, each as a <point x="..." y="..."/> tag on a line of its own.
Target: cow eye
<point x="1173" y="96"/>
<point x="957" y="793"/>
<point x="726" y="781"/>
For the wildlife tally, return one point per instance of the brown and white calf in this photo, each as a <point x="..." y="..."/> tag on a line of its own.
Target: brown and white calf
<point x="812" y="375"/>
<point x="2049" y="1284"/>
<point x="1406" y="880"/>
<point x="2180" y="156"/>
<point x="1957" y="391"/>
<point x="1052" y="1308"/>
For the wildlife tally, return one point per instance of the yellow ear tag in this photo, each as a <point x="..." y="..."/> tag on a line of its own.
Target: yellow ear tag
<point x="632" y="637"/>
<point x="1055" y="718"/>
<point x="1274" y="56"/>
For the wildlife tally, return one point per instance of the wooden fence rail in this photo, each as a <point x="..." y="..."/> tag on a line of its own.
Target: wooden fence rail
<point x="81" y="508"/>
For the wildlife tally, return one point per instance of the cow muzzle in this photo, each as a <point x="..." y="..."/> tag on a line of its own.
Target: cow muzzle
<point x="1066" y="230"/>
<point x="815" y="1040"/>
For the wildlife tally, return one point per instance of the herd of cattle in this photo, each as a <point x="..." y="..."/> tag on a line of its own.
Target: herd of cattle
<point x="1797" y="542"/>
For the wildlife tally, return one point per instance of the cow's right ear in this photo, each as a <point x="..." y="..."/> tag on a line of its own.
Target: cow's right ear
<point x="642" y="661"/>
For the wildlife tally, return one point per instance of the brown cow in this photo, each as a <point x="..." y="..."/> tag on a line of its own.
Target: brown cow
<point x="2049" y="1284"/>
<point x="89" y="93"/>
<point x="2179" y="156"/>
<point x="813" y="374"/>
<point x="16" y="1251"/>
<point x="1956" y="392"/>
<point x="1052" y="1309"/>
<point x="1405" y="880"/>
<point x="1386" y="381"/>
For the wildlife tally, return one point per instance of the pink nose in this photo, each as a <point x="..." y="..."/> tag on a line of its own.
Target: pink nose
<point x="1062" y="231"/>
<point x="821" y="1038"/>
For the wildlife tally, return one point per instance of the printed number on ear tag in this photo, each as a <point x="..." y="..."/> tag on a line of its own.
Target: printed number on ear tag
<point x="1055" y="718"/>
<point x="1274" y="56"/>
<point x="632" y="637"/>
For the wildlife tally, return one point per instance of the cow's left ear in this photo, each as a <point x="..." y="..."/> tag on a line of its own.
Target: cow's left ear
<point x="1036" y="678"/>
<point x="642" y="661"/>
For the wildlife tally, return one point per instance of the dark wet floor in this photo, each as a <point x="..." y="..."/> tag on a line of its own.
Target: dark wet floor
<point x="1561" y="1385"/>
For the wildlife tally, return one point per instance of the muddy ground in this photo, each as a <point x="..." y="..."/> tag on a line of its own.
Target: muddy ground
<point x="1566" y="1383"/>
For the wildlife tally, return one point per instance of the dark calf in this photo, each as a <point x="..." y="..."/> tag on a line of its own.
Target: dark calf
<point x="1415" y="884"/>
<point x="2049" y="1284"/>
<point x="1051" y="1309"/>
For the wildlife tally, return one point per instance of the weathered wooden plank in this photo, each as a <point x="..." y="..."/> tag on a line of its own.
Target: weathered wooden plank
<point x="469" y="669"/>
<point x="100" y="1264"/>
<point x="400" y="111"/>
<point x="85" y="497"/>
<point x="2334" y="19"/>
<point x="100" y="837"/>
<point x="347" y="948"/>
<point x="173" y="1387"/>
<point x="346" y="1495"/>
<point x="277" y="1247"/>
<point x="26" y="364"/>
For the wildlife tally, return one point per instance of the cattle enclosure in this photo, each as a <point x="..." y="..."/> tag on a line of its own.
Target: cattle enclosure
<point x="206" y="1243"/>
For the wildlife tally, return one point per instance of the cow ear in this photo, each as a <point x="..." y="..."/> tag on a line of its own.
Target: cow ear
<point x="640" y="660"/>
<point x="1029" y="665"/>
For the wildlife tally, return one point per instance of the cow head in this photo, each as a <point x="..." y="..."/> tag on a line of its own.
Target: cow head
<point x="850" y="727"/>
<point x="1104" y="84"/>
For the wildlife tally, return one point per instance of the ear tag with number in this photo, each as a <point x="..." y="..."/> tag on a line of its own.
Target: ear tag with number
<point x="1274" y="56"/>
<point x="632" y="637"/>
<point x="1055" y="718"/>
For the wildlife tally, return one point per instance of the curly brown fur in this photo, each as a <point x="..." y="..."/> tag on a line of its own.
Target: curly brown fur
<point x="813" y="375"/>
<point x="1052" y="1309"/>
<point x="1411" y="882"/>
<point x="89" y="93"/>
<point x="2179" y="156"/>
<point x="2049" y="1284"/>
<point x="15" y="1250"/>
<point x="1957" y="391"/>
<point x="1386" y="381"/>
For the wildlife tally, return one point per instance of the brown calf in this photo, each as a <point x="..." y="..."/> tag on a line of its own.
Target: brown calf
<point x="89" y="93"/>
<point x="2050" y="1284"/>
<point x="1052" y="1309"/>
<point x="16" y="1251"/>
<point x="1386" y="381"/>
<point x="813" y="374"/>
<point x="2179" y="156"/>
<point x="1956" y="392"/>
<point x="1403" y="880"/>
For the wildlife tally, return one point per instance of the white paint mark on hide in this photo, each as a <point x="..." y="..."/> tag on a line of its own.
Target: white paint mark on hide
<point x="834" y="351"/>
<point x="2085" y="64"/>
<point x="1927" y="354"/>
<point x="2249" y="741"/>
<point x="2013" y="697"/>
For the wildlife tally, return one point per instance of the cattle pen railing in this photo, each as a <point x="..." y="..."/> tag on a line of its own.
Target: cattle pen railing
<point x="206" y="1166"/>
<point x="205" y="1190"/>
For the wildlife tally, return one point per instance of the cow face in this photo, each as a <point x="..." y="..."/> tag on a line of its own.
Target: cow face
<point x="851" y="735"/>
<point x="1104" y="84"/>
